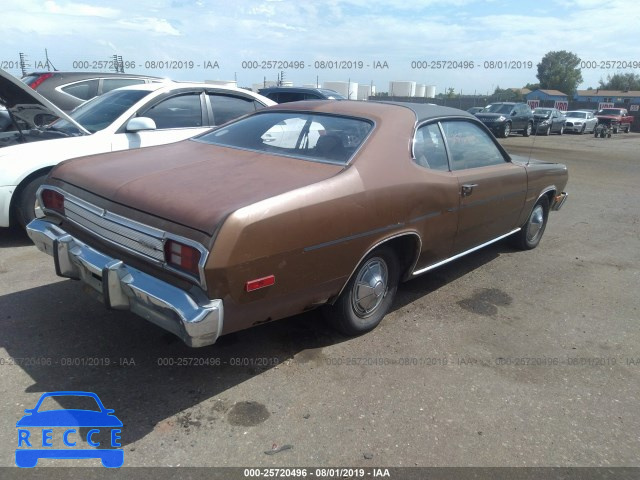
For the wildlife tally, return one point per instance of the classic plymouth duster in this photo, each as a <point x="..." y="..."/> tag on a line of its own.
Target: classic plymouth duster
<point x="297" y="206"/>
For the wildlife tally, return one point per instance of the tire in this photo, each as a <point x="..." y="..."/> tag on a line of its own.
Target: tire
<point x="628" y="129"/>
<point x="368" y="296"/>
<point x="561" y="130"/>
<point x="584" y="127"/>
<point x="26" y="203"/>
<point x="527" y="131"/>
<point x="506" y="130"/>
<point x="531" y="232"/>
<point x="547" y="131"/>
<point x="615" y="129"/>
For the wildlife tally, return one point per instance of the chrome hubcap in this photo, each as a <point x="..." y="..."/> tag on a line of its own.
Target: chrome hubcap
<point x="370" y="287"/>
<point x="536" y="221"/>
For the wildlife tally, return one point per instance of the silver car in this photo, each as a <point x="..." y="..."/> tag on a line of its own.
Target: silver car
<point x="580" y="121"/>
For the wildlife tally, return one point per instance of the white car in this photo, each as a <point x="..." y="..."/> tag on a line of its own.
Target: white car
<point x="129" y="117"/>
<point x="580" y="121"/>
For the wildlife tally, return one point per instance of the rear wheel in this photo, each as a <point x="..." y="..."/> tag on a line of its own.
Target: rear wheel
<point x="369" y="294"/>
<point x="531" y="232"/>
<point x="27" y="204"/>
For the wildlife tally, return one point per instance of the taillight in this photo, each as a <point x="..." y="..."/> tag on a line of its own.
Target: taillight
<point x="53" y="200"/>
<point x="38" y="81"/>
<point x="184" y="257"/>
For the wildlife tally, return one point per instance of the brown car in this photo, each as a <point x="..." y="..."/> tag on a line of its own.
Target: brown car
<point x="294" y="207"/>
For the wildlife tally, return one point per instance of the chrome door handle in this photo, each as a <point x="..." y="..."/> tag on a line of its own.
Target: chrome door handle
<point x="467" y="189"/>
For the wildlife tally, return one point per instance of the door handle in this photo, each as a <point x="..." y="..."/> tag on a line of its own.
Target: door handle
<point x="467" y="189"/>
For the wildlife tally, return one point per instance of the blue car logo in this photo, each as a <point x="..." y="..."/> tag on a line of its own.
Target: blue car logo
<point x="54" y="433"/>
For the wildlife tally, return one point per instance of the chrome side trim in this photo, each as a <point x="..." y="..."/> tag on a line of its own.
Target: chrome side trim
<point x="190" y="315"/>
<point x="376" y="246"/>
<point x="134" y="237"/>
<point x="455" y="257"/>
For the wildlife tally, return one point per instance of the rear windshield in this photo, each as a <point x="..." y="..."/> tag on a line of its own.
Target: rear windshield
<point x="308" y="136"/>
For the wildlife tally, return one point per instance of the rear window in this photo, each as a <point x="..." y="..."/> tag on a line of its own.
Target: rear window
<point x="308" y="136"/>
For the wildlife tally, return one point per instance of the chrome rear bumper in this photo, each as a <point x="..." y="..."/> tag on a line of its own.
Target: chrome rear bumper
<point x="190" y="315"/>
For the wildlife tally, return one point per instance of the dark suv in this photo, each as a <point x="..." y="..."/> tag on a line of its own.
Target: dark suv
<point x="502" y="118"/>
<point x="295" y="94"/>
<point x="67" y="90"/>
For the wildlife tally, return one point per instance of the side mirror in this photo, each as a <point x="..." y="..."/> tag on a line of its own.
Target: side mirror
<point x="140" y="123"/>
<point x="513" y="114"/>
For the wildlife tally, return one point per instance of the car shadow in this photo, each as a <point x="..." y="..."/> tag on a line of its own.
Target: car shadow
<point x="64" y="340"/>
<point x="14" y="236"/>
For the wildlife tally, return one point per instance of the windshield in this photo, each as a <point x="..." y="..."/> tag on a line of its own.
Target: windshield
<point x="315" y="137"/>
<point x="498" y="108"/>
<point x="577" y="114"/>
<point x="100" y="112"/>
<point x="542" y="112"/>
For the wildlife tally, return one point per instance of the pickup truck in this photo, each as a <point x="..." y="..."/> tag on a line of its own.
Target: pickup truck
<point x="617" y="118"/>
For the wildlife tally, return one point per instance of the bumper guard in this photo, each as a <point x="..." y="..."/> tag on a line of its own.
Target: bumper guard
<point x="192" y="316"/>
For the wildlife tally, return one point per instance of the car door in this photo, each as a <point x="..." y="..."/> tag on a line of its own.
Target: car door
<point x="492" y="190"/>
<point x="435" y="200"/>
<point x="177" y="116"/>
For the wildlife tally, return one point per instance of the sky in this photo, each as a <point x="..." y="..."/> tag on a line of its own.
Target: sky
<point x="365" y="41"/>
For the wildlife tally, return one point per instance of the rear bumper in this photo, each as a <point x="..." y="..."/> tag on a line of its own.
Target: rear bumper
<point x="558" y="201"/>
<point x="190" y="315"/>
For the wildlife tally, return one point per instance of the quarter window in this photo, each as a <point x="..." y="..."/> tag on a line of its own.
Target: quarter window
<point x="181" y="111"/>
<point x="82" y="90"/>
<point x="428" y="148"/>
<point x="470" y="146"/>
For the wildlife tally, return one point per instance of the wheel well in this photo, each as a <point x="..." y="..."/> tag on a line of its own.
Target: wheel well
<point x="21" y="186"/>
<point x="407" y="248"/>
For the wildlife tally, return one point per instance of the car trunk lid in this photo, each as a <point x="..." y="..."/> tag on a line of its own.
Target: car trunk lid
<point x="191" y="183"/>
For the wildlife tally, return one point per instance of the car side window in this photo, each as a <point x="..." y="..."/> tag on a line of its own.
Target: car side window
<point x="109" y="84"/>
<point x="470" y="146"/>
<point x="180" y="111"/>
<point x="428" y="148"/>
<point x="227" y="107"/>
<point x="82" y="90"/>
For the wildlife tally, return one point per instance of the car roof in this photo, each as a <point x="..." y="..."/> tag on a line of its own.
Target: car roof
<point x="171" y="85"/>
<point x="373" y="109"/>
<point x="72" y="74"/>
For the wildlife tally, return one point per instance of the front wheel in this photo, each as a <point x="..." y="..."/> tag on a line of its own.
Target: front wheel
<point x="506" y="130"/>
<point x="561" y="130"/>
<point x="582" y="130"/>
<point x="527" y="131"/>
<point x="368" y="296"/>
<point x="548" y="130"/>
<point x="531" y="232"/>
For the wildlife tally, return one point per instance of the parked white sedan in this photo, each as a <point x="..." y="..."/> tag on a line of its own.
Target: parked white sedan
<point x="580" y="121"/>
<point x="129" y="117"/>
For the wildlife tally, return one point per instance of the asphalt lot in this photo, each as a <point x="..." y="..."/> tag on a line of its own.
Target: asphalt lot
<point x="501" y="358"/>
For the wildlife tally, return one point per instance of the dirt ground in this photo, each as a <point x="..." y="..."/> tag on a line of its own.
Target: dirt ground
<point x="501" y="358"/>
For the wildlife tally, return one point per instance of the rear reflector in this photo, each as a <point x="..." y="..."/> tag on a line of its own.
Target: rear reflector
<point x="184" y="257"/>
<point x="53" y="200"/>
<point x="260" y="283"/>
<point x="38" y="81"/>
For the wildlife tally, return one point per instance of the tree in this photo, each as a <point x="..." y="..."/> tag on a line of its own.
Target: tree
<point x="559" y="71"/>
<point x="621" y="81"/>
<point x="532" y="86"/>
